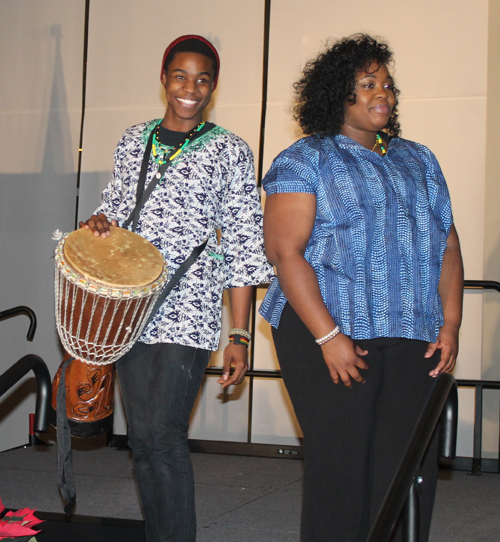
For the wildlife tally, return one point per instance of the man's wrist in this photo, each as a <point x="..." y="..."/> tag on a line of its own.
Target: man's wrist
<point x="239" y="336"/>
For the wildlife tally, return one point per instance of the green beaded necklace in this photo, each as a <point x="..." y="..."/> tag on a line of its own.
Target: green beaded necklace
<point x="379" y="142"/>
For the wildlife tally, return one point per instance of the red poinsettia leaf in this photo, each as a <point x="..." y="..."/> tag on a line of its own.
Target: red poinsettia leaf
<point x="31" y="519"/>
<point x="19" y="513"/>
<point x="15" y="529"/>
<point x="24" y="516"/>
<point x="2" y="507"/>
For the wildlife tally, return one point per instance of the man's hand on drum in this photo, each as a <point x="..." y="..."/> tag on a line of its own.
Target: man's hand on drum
<point x="98" y="225"/>
<point x="235" y="355"/>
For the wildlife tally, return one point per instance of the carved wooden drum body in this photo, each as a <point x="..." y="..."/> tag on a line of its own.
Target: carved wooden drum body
<point x="105" y="291"/>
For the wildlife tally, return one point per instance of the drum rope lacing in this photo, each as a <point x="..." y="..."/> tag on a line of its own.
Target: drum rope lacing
<point x="133" y="305"/>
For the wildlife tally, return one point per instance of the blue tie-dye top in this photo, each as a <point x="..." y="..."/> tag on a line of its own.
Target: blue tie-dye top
<point x="379" y="236"/>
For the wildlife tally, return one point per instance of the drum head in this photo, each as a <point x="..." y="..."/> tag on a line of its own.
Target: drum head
<point x="122" y="260"/>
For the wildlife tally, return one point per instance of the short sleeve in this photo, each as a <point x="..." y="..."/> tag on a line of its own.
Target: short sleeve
<point x="294" y="170"/>
<point x="439" y="196"/>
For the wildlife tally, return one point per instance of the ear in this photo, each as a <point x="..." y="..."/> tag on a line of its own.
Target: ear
<point x="164" y="78"/>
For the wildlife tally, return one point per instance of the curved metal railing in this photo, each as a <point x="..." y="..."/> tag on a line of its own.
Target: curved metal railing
<point x="34" y="363"/>
<point x="22" y="310"/>
<point x="483" y="284"/>
<point x="28" y="363"/>
<point x="442" y="402"/>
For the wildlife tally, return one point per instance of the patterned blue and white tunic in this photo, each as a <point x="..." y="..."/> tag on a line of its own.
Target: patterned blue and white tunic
<point x="210" y="186"/>
<point x="379" y="235"/>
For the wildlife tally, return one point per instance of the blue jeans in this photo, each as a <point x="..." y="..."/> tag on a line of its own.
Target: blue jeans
<point x="159" y="384"/>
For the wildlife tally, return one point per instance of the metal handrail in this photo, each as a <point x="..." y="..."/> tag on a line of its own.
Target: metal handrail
<point x="34" y="363"/>
<point x="442" y="398"/>
<point x="479" y="386"/>
<point x="271" y="373"/>
<point x="22" y="310"/>
<point x="484" y="284"/>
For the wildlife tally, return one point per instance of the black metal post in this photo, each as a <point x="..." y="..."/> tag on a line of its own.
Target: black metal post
<point x="478" y="432"/>
<point x="411" y="513"/>
<point x="449" y="426"/>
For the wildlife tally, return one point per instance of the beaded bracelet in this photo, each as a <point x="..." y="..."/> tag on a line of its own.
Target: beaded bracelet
<point x="238" y="339"/>
<point x="328" y="337"/>
<point x="238" y="331"/>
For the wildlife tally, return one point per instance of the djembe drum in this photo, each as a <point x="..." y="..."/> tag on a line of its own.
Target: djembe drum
<point x="105" y="291"/>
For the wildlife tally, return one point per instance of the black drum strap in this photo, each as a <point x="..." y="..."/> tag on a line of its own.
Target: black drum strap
<point x="176" y="277"/>
<point x="65" y="477"/>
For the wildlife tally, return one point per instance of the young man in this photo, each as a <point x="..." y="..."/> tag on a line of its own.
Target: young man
<point x="209" y="185"/>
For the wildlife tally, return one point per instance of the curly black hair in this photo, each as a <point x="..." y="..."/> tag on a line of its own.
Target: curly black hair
<point x="329" y="83"/>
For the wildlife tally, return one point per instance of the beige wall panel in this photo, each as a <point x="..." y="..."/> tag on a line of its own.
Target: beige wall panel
<point x="281" y="131"/>
<point x="220" y="415"/>
<point x="272" y="422"/>
<point x="491" y="419"/>
<point x="104" y="128"/>
<point x="469" y="367"/>
<point x="440" y="45"/>
<point x="469" y="358"/>
<point x="433" y="58"/>
<point x="465" y="436"/>
<point x="217" y="358"/>
<point x="491" y="335"/>
<point x="491" y="314"/>
<point x="41" y="44"/>
<point x="264" y="352"/>
<point x="441" y="125"/>
<point x="127" y="40"/>
<point x="492" y="216"/>
<point x="40" y="96"/>
<point x="124" y="61"/>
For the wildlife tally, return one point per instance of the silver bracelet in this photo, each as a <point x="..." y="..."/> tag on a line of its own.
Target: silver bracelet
<point x="238" y="331"/>
<point x="328" y="337"/>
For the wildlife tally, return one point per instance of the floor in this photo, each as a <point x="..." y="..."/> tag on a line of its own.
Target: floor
<point x="239" y="499"/>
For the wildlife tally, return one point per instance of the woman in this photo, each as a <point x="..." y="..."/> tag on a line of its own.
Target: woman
<point x="209" y="185"/>
<point x="367" y="305"/>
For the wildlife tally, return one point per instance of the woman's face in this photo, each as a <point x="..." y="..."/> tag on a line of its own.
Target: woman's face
<point x="374" y="103"/>
<point x="188" y="84"/>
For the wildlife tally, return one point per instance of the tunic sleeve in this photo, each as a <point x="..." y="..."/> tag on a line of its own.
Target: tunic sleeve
<point x="242" y="240"/>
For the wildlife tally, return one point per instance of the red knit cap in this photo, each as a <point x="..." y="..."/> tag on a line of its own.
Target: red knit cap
<point x="193" y="37"/>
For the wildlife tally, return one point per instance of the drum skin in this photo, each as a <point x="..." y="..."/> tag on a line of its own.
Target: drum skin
<point x="104" y="290"/>
<point x="89" y="397"/>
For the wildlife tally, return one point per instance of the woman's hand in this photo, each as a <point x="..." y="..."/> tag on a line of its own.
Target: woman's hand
<point x="342" y="357"/>
<point x="98" y="225"/>
<point x="447" y="342"/>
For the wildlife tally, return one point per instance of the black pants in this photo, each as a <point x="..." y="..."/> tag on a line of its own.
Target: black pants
<point x="354" y="438"/>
